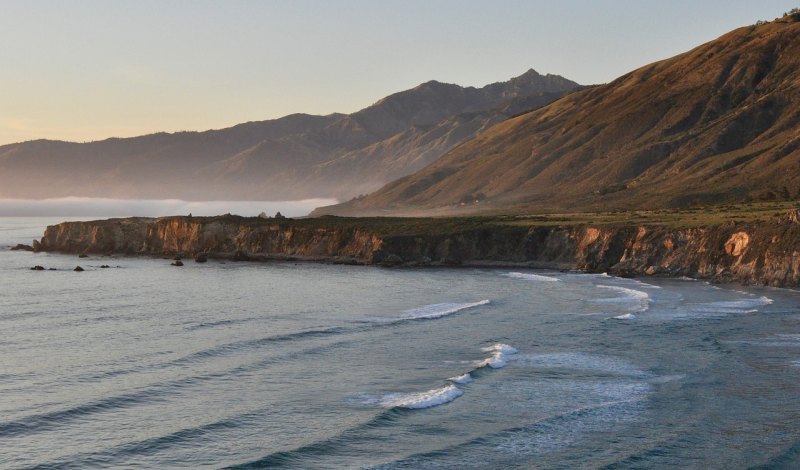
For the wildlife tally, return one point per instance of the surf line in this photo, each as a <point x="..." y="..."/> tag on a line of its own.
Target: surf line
<point x="499" y="356"/>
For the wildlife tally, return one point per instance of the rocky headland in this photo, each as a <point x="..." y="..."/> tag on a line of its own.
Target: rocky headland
<point x="759" y="252"/>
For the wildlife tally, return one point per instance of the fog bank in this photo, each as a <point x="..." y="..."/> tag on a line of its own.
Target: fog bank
<point x="102" y="207"/>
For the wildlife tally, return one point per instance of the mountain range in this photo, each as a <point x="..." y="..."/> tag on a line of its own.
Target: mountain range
<point x="294" y="157"/>
<point x="717" y="124"/>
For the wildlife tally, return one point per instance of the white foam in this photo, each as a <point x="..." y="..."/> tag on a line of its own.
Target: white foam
<point x="743" y="292"/>
<point x="626" y="316"/>
<point x="500" y="347"/>
<point x="667" y="378"/>
<point x="745" y="303"/>
<point x="582" y="361"/>
<point x="428" y="312"/>
<point x="420" y="400"/>
<point x="532" y="277"/>
<point x="643" y="284"/>
<point x="784" y="340"/>
<point x="730" y="306"/>
<point x="583" y="275"/>
<point x="461" y="379"/>
<point x="639" y="298"/>
<point x="713" y="310"/>
<point x="500" y="355"/>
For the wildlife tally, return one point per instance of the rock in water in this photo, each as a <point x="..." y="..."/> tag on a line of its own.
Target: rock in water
<point x="78" y="269"/>
<point x="177" y="263"/>
<point x="21" y="247"/>
<point x="104" y="266"/>
<point x="83" y="255"/>
<point x="201" y="258"/>
<point x="37" y="268"/>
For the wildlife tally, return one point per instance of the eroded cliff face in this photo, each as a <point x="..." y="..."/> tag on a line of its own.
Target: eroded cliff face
<point x="765" y="253"/>
<point x="232" y="237"/>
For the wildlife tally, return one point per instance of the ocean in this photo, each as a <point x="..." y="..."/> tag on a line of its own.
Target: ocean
<point x="301" y="365"/>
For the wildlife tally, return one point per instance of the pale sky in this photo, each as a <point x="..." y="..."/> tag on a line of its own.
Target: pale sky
<point x="86" y="70"/>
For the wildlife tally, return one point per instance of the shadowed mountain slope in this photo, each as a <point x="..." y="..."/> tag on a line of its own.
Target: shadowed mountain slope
<point x="720" y="123"/>
<point x="298" y="156"/>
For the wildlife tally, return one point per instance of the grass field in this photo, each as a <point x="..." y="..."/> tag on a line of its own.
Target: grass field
<point x="681" y="218"/>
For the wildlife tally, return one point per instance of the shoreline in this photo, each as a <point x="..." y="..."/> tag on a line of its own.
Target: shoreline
<point x="755" y="253"/>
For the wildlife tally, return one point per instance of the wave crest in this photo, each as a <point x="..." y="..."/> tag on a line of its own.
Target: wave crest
<point x="640" y="299"/>
<point x="500" y="355"/>
<point x="428" y="312"/>
<point x="419" y="400"/>
<point x="532" y="277"/>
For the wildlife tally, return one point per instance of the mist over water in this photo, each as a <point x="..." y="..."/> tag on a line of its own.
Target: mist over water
<point x="105" y="207"/>
<point x="306" y="366"/>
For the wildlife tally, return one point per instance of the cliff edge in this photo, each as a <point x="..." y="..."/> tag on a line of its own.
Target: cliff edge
<point x="747" y="252"/>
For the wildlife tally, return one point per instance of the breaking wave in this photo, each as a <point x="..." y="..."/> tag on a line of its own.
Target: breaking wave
<point x="427" y="399"/>
<point x="499" y="357"/>
<point x="438" y="310"/>
<point x="532" y="277"/>
<point x="439" y="396"/>
<point x="461" y="379"/>
<point x="640" y="300"/>
<point x="427" y="312"/>
<point x="625" y="316"/>
<point x="725" y="307"/>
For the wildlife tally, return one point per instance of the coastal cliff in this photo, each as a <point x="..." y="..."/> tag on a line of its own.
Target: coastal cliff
<point x="750" y="253"/>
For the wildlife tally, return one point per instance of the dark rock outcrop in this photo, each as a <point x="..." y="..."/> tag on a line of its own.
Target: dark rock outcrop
<point x="21" y="247"/>
<point x="78" y="269"/>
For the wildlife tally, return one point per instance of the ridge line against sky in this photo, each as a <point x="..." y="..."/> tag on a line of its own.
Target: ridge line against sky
<point x="89" y="69"/>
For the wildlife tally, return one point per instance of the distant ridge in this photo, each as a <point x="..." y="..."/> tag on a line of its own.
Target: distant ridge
<point x="720" y="123"/>
<point x="295" y="157"/>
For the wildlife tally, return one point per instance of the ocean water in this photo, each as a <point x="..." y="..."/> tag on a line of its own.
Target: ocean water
<point x="283" y="365"/>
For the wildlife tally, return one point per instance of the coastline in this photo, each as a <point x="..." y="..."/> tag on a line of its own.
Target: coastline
<point x="751" y="253"/>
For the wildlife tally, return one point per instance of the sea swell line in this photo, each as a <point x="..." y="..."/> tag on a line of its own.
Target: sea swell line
<point x="32" y="424"/>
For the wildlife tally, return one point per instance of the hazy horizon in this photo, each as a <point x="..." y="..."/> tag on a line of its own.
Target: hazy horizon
<point x="91" y="70"/>
<point x="109" y="207"/>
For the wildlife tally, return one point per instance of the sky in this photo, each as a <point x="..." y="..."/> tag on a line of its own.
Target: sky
<point x="90" y="69"/>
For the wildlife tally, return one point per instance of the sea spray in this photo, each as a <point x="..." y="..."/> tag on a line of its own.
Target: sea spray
<point x="499" y="357"/>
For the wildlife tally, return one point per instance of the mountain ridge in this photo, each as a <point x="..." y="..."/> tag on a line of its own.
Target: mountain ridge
<point x="292" y="157"/>
<point x="718" y="123"/>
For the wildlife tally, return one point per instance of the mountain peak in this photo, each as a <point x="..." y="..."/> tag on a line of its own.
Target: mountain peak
<point x="296" y="156"/>
<point x="529" y="74"/>
<point x="718" y="123"/>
